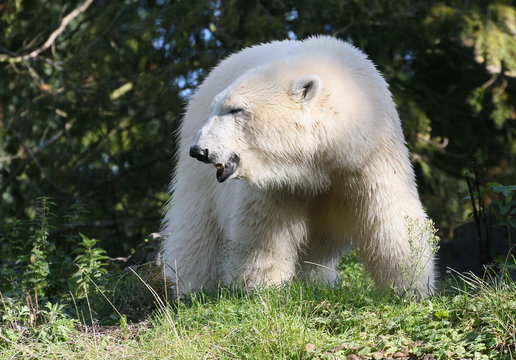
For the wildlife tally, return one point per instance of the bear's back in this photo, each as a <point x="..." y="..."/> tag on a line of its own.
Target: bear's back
<point x="237" y="64"/>
<point x="343" y="56"/>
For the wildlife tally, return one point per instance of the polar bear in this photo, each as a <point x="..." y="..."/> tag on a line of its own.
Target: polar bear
<point x="310" y="161"/>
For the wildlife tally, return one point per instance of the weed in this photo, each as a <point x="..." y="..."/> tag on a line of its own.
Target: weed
<point x="91" y="265"/>
<point x="423" y="244"/>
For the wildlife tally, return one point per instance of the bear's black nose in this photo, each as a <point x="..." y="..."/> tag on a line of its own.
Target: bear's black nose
<point x="199" y="154"/>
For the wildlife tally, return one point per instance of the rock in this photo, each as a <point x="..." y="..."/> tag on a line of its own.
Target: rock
<point x="338" y="348"/>
<point x="310" y="348"/>
<point x="147" y="252"/>
<point x="378" y="355"/>
<point x="404" y="351"/>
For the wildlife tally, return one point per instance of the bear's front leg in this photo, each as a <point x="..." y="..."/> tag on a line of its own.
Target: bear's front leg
<point x="263" y="240"/>
<point x="191" y="249"/>
<point x="398" y="246"/>
<point x="400" y="257"/>
<point x="393" y="234"/>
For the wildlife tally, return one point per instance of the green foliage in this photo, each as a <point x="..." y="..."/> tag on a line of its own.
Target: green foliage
<point x="470" y="318"/>
<point x="90" y="261"/>
<point x="33" y="266"/>
<point x="36" y="279"/>
<point x="504" y="208"/>
<point x="20" y="324"/>
<point x="37" y="269"/>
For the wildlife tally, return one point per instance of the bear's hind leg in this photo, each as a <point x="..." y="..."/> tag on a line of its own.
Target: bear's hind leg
<point x="319" y="264"/>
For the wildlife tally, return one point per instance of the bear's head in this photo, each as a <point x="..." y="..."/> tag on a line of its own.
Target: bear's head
<point x="293" y="123"/>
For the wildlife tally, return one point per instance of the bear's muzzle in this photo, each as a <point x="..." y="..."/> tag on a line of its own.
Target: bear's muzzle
<point x="224" y="169"/>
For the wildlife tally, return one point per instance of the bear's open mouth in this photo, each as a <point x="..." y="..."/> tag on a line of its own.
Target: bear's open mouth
<point x="225" y="170"/>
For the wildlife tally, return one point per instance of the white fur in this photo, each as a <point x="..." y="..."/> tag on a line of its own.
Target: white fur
<point x="320" y="170"/>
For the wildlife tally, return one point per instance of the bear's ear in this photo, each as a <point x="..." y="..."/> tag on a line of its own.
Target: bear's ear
<point x="306" y="88"/>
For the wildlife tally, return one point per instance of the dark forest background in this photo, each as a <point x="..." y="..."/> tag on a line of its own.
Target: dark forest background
<point x="91" y="93"/>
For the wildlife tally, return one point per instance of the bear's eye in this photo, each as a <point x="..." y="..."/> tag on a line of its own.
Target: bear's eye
<point x="235" y="111"/>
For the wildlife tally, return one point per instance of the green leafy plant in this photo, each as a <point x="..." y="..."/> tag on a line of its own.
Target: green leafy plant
<point x="37" y="270"/>
<point x="91" y="265"/>
<point x="504" y="207"/>
<point x="37" y="278"/>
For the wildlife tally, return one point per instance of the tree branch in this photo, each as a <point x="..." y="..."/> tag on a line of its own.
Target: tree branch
<point x="52" y="38"/>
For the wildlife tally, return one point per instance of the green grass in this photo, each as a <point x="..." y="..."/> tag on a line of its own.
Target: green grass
<point x="468" y="319"/>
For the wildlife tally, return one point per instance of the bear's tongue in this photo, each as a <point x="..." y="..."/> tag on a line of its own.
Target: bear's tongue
<point x="224" y="171"/>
